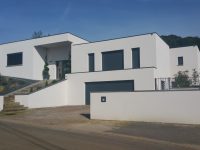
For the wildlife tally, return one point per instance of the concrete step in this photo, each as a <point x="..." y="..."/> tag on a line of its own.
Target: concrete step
<point x="10" y="104"/>
<point x="12" y="112"/>
<point x="9" y="101"/>
<point x="13" y="106"/>
<point x="9" y="98"/>
<point x="14" y="109"/>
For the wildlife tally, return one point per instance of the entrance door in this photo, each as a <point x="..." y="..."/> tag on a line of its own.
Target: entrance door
<point x="61" y="69"/>
<point x="112" y="86"/>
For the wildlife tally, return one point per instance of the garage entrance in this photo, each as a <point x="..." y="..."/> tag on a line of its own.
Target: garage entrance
<point x="104" y="86"/>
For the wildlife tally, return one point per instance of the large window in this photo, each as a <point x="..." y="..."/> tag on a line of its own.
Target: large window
<point x="180" y="61"/>
<point x="91" y="62"/>
<point x="113" y="60"/>
<point x="136" y="57"/>
<point x="14" y="59"/>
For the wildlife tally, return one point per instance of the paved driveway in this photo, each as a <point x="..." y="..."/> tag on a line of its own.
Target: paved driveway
<point x="70" y="128"/>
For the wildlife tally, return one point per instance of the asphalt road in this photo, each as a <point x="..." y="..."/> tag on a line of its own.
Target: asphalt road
<point x="23" y="137"/>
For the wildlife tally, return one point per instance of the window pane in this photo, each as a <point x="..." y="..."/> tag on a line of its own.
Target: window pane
<point x="136" y="57"/>
<point x="113" y="60"/>
<point x="180" y="61"/>
<point x="14" y="59"/>
<point x="91" y="62"/>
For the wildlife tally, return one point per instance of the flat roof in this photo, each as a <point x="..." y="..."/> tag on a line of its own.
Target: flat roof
<point x="119" y="38"/>
<point x="43" y="37"/>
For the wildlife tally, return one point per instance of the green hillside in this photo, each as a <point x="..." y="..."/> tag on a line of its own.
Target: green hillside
<point x="177" y="41"/>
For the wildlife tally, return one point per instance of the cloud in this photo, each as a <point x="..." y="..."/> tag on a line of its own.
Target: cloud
<point x="66" y="12"/>
<point x="63" y="17"/>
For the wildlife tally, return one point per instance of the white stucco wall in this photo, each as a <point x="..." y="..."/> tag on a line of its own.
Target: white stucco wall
<point x="168" y="107"/>
<point x="162" y="59"/>
<point x="143" y="80"/>
<point x="52" y="96"/>
<point x="33" y="62"/>
<point x="190" y="59"/>
<point x="1" y="102"/>
<point x="147" y="44"/>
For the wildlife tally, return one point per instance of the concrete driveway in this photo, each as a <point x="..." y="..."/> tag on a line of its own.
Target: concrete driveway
<point x="70" y="128"/>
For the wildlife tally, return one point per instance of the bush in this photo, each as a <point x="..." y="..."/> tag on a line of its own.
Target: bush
<point x="182" y="79"/>
<point x="195" y="77"/>
<point x="45" y="72"/>
<point x="2" y="88"/>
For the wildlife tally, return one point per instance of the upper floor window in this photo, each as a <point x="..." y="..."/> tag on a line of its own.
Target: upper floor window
<point x="180" y="61"/>
<point x="113" y="60"/>
<point x="91" y="62"/>
<point x="136" y="57"/>
<point x="14" y="59"/>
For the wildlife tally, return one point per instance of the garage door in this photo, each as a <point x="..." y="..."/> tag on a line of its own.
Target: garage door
<point x="112" y="86"/>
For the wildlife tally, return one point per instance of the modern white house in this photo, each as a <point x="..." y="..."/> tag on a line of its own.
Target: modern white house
<point x="122" y="64"/>
<point x="127" y="76"/>
<point x="26" y="58"/>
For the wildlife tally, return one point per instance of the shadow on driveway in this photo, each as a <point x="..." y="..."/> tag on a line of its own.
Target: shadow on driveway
<point x="184" y="134"/>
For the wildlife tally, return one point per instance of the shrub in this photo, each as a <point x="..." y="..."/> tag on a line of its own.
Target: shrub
<point x="182" y="79"/>
<point x="195" y="77"/>
<point x="45" y="72"/>
<point x="2" y="88"/>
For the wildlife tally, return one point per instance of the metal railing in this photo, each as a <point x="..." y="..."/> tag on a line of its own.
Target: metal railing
<point x="177" y="83"/>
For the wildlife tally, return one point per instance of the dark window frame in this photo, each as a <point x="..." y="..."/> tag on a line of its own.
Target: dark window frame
<point x="180" y="61"/>
<point x="114" y="51"/>
<point x="91" y="68"/>
<point x="18" y="56"/>
<point x="139" y="63"/>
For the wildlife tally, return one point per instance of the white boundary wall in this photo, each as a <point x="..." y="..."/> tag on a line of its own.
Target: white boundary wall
<point x="167" y="107"/>
<point x="1" y="102"/>
<point x="52" y="96"/>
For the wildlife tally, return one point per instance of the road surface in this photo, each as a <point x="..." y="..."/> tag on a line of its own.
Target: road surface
<point x="24" y="137"/>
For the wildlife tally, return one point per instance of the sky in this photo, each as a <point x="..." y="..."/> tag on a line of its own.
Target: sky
<point x="98" y="19"/>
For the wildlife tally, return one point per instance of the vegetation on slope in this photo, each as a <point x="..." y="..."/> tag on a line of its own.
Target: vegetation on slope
<point x="177" y="41"/>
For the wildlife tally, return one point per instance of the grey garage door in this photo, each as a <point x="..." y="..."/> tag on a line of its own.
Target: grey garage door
<point x="112" y="86"/>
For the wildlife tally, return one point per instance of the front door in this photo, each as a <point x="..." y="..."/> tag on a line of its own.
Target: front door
<point x="58" y="70"/>
<point x="61" y="69"/>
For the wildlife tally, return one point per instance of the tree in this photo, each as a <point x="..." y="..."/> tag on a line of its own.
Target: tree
<point x="36" y="35"/>
<point x="45" y="71"/>
<point x="182" y="79"/>
<point x="177" y="41"/>
<point x="195" y="77"/>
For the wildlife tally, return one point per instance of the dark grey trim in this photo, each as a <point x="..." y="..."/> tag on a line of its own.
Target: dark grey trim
<point x="136" y="61"/>
<point x="180" y="61"/>
<point x="119" y="38"/>
<point x="111" y="85"/>
<point x="114" y="51"/>
<point x="197" y="90"/>
<point x="16" y="53"/>
<point x="91" y="60"/>
<point x="43" y="37"/>
<point x="116" y="70"/>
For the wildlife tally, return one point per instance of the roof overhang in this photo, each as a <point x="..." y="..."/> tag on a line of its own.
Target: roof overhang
<point x="55" y="44"/>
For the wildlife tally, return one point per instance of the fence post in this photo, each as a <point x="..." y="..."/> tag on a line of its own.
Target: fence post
<point x="155" y="84"/>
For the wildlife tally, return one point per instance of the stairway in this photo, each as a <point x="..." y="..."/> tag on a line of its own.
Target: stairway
<point x="11" y="107"/>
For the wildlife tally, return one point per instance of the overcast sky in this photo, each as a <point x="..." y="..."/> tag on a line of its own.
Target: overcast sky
<point x="98" y="19"/>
